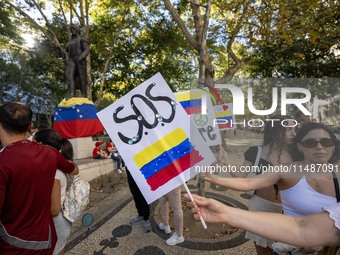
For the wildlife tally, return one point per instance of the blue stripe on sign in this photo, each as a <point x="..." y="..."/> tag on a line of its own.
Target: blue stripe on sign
<point x="166" y="158"/>
<point x="191" y="103"/>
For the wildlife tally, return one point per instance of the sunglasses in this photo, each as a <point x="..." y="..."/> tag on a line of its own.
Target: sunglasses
<point x="324" y="142"/>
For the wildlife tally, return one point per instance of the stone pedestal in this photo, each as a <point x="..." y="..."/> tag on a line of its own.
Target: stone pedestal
<point x="82" y="147"/>
<point x="95" y="168"/>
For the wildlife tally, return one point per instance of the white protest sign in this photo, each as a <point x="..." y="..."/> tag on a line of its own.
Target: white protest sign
<point x="152" y="133"/>
<point x="202" y="114"/>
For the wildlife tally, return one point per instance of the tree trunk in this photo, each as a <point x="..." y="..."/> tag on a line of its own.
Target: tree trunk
<point x="199" y="42"/>
<point x="86" y="34"/>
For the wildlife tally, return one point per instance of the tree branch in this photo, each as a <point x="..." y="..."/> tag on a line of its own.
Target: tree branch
<point x="181" y="24"/>
<point x="204" y="33"/>
<point x="75" y="11"/>
<point x="81" y="8"/>
<point x="110" y="56"/>
<point x="204" y="58"/>
<point x="62" y="11"/>
<point x="49" y="33"/>
<point x="87" y="12"/>
<point x="41" y="12"/>
<point x="196" y="13"/>
<point x="238" y="62"/>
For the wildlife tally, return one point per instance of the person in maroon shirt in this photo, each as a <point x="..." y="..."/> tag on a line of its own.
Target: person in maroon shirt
<point x="27" y="171"/>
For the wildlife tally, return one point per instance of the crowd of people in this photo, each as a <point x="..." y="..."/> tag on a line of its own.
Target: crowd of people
<point x="290" y="212"/>
<point x="34" y="224"/>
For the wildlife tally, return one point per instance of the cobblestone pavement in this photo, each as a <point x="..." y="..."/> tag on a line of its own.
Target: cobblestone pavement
<point x="112" y="234"/>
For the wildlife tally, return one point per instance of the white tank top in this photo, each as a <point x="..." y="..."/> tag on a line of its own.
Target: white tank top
<point x="302" y="199"/>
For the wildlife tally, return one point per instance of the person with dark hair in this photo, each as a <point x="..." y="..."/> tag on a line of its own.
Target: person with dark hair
<point x="63" y="226"/>
<point x="49" y="137"/>
<point x="143" y="208"/>
<point x="273" y="151"/>
<point x="27" y="171"/>
<point x="307" y="184"/>
<point x="301" y="118"/>
<point x="301" y="146"/>
<point x="67" y="149"/>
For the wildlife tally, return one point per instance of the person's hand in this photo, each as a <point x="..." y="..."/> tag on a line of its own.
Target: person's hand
<point x="208" y="176"/>
<point x="223" y="157"/>
<point x="211" y="210"/>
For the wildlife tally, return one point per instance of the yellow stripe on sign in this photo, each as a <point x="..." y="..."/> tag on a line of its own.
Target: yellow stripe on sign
<point x="188" y="96"/>
<point x="223" y="114"/>
<point x="164" y="144"/>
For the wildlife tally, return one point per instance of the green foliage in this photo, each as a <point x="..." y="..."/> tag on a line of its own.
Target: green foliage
<point x="292" y="46"/>
<point x="139" y="38"/>
<point x="106" y="101"/>
<point x="146" y="43"/>
<point x="295" y="40"/>
<point x="7" y="28"/>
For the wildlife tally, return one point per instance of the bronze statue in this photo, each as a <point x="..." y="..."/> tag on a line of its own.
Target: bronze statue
<point x="77" y="49"/>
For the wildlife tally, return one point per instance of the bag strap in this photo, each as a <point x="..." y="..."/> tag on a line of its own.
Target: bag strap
<point x="336" y="186"/>
<point x="258" y="156"/>
<point x="72" y="178"/>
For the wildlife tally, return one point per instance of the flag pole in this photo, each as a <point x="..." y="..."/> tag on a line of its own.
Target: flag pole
<point x="193" y="201"/>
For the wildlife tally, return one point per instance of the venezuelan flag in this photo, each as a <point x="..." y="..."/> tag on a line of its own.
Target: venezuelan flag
<point x="224" y="116"/>
<point x="191" y="102"/>
<point x="224" y="119"/>
<point x="77" y="117"/>
<point x="167" y="158"/>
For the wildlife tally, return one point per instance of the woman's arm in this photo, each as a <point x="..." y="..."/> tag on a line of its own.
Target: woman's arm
<point x="56" y="198"/>
<point x="311" y="230"/>
<point x="224" y="159"/>
<point x="244" y="184"/>
<point x="305" y="231"/>
<point x="75" y="170"/>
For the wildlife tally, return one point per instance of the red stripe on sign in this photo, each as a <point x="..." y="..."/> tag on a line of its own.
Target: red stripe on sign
<point x="193" y="110"/>
<point x="174" y="169"/>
